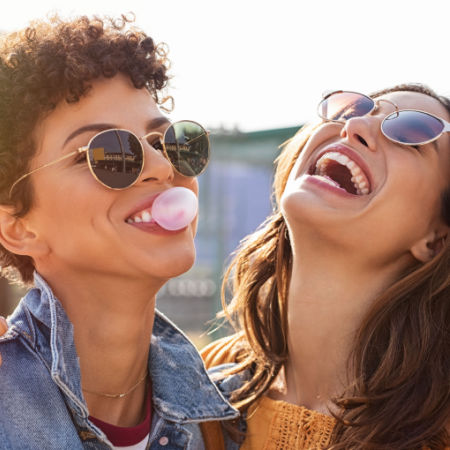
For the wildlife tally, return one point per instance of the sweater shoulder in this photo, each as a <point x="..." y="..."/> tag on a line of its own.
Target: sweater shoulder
<point x="221" y="351"/>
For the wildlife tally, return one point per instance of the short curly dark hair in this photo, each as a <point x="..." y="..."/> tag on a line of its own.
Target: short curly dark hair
<point x="55" y="60"/>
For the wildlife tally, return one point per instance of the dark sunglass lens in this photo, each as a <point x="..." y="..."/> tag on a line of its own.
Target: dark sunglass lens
<point x="187" y="146"/>
<point x="412" y="127"/>
<point x="342" y="106"/>
<point x="116" y="158"/>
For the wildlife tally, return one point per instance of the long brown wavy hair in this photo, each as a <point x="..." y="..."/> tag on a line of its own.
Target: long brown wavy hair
<point x="53" y="61"/>
<point x="399" y="396"/>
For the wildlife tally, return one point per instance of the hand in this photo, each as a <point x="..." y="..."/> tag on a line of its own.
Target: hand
<point x="3" y="330"/>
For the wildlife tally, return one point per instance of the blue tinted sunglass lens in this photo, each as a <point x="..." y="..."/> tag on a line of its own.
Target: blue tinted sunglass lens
<point x="411" y="127"/>
<point x="341" y="106"/>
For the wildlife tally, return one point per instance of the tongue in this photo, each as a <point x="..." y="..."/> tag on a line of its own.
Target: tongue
<point x="175" y="208"/>
<point x="341" y="175"/>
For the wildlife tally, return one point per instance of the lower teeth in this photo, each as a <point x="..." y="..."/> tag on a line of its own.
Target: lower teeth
<point x="330" y="181"/>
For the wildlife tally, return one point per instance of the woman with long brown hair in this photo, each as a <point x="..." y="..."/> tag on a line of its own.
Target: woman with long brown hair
<point x="340" y="300"/>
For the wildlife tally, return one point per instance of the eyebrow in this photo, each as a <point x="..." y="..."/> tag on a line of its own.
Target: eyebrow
<point x="151" y="124"/>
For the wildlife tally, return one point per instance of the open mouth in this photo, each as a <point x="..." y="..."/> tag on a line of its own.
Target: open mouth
<point x="339" y="170"/>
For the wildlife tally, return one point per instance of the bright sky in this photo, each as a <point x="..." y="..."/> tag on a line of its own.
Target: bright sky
<point x="264" y="64"/>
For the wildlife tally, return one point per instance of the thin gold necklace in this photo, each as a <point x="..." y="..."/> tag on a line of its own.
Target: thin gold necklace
<point x="119" y="395"/>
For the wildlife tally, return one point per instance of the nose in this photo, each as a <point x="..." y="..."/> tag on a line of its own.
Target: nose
<point x="157" y="168"/>
<point x="362" y="130"/>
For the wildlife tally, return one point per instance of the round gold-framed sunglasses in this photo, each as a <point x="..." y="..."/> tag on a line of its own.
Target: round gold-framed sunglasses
<point x="116" y="156"/>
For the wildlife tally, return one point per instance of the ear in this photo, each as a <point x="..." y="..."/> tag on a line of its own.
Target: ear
<point x="429" y="246"/>
<point x="16" y="236"/>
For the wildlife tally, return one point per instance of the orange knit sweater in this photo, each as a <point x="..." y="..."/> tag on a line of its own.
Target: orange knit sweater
<point x="277" y="425"/>
<point x="274" y="424"/>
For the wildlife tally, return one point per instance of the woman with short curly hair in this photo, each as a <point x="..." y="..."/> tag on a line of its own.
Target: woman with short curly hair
<point x="98" y="197"/>
<point x="51" y="62"/>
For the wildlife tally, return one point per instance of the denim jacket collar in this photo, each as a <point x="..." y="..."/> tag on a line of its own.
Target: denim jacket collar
<point x="182" y="390"/>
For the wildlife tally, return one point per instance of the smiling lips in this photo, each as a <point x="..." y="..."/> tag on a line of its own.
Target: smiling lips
<point x="144" y="216"/>
<point x="340" y="170"/>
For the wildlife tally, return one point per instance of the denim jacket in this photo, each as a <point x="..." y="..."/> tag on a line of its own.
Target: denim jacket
<point x="41" y="401"/>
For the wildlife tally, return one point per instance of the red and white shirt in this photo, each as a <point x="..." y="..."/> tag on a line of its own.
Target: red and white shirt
<point x="128" y="438"/>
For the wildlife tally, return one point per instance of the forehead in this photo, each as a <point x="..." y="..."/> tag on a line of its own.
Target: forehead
<point x="417" y="100"/>
<point x="113" y="101"/>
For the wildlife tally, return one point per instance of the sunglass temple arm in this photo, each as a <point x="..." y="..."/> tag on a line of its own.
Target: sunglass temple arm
<point x="79" y="150"/>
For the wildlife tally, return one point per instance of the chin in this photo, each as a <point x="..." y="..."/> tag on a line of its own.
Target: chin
<point x="181" y="267"/>
<point x="301" y="209"/>
<point x="177" y="265"/>
<point x="308" y="220"/>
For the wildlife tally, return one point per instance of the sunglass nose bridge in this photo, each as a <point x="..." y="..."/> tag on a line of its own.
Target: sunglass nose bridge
<point x="152" y="133"/>
<point x="377" y="102"/>
<point x="146" y="139"/>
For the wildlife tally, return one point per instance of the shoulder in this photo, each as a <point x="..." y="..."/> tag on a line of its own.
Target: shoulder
<point x="17" y="349"/>
<point x="23" y="370"/>
<point x="18" y="346"/>
<point x="222" y="351"/>
<point x="220" y="359"/>
<point x="32" y="407"/>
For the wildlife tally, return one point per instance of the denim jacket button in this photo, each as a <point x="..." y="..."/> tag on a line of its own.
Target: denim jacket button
<point x="164" y="441"/>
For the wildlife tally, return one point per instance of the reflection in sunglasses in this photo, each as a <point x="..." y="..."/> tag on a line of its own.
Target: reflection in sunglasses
<point x="102" y="154"/>
<point x="116" y="156"/>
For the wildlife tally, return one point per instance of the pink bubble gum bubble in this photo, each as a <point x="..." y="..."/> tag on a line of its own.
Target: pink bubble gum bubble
<point x="175" y="208"/>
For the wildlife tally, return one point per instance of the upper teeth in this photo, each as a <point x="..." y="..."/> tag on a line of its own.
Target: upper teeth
<point x="141" y="216"/>
<point x="359" y="179"/>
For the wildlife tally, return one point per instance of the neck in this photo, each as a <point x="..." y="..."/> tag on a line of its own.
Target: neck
<point x="113" y="321"/>
<point x="329" y="296"/>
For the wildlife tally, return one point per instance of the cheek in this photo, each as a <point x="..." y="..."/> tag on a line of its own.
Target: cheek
<point x="187" y="182"/>
<point x="194" y="226"/>
<point x="194" y="188"/>
<point x="415" y="196"/>
<point x="69" y="199"/>
<point x="192" y="184"/>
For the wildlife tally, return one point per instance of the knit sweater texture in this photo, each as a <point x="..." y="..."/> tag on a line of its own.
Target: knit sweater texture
<point x="275" y="424"/>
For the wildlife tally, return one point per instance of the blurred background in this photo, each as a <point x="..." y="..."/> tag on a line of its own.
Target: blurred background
<point x="252" y="73"/>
